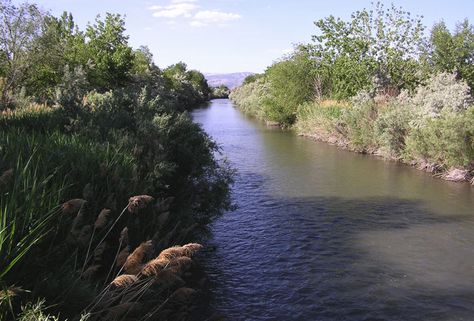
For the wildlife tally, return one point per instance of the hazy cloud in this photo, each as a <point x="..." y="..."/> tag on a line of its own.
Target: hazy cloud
<point x="189" y="9"/>
<point x="207" y="17"/>
<point x="180" y="9"/>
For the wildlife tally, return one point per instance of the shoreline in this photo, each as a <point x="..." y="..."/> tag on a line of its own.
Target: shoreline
<point x="456" y="175"/>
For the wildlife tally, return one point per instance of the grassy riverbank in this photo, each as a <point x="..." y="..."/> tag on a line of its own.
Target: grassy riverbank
<point x="101" y="170"/>
<point x="369" y="87"/>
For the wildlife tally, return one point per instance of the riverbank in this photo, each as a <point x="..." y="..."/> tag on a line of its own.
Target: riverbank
<point x="431" y="129"/>
<point x="103" y="175"/>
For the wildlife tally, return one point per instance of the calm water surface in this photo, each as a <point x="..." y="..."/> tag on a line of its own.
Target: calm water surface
<point x="325" y="234"/>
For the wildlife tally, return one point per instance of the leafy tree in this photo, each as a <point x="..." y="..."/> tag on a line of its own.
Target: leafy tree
<point x="60" y="47"/>
<point x="454" y="52"/>
<point x="110" y="54"/>
<point x="19" y="28"/>
<point x="383" y="46"/>
<point x="291" y="83"/>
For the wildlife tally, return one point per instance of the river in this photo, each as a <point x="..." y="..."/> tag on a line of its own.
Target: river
<point x="326" y="234"/>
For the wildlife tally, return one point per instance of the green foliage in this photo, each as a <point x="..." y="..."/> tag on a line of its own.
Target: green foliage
<point x="220" y="92"/>
<point x="20" y="26"/>
<point x="189" y="87"/>
<point x="358" y="122"/>
<point x="109" y="126"/>
<point x="314" y="119"/>
<point x="381" y="44"/>
<point x="447" y="140"/>
<point x="290" y="83"/>
<point x="454" y="52"/>
<point x="251" y="78"/>
<point x="392" y="127"/>
<point x="111" y="56"/>
<point x="250" y="98"/>
<point x="442" y="93"/>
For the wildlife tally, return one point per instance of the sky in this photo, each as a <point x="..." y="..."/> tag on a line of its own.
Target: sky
<point x="223" y="36"/>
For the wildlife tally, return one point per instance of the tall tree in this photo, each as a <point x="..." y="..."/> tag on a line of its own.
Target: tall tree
<point x="19" y="28"/>
<point x="109" y="52"/>
<point x="454" y="52"/>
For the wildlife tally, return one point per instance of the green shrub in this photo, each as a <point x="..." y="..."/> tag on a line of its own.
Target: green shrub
<point x="447" y="140"/>
<point x="391" y="128"/>
<point x="313" y="117"/>
<point x="358" y="122"/>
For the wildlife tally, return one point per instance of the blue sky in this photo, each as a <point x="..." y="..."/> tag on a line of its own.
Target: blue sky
<point x="223" y="36"/>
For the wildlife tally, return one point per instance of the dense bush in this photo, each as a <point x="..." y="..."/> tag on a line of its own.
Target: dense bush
<point x="447" y="140"/>
<point x="90" y="127"/>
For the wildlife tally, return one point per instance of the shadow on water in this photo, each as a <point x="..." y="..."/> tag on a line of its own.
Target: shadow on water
<point x="333" y="258"/>
<point x="324" y="234"/>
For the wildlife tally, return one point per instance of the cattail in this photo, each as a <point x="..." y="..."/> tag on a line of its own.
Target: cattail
<point x="102" y="219"/>
<point x="88" y="192"/>
<point x="91" y="271"/>
<point x="167" y="279"/>
<point x="99" y="251"/>
<point x="124" y="237"/>
<point x="173" y="252"/>
<point x="6" y="176"/>
<point x="182" y="296"/>
<point x="192" y="248"/>
<point x="84" y="236"/>
<point x="124" y="280"/>
<point x="133" y="264"/>
<point x="180" y="265"/>
<point x="122" y="257"/>
<point x="73" y="206"/>
<point x="137" y="203"/>
<point x="154" y="266"/>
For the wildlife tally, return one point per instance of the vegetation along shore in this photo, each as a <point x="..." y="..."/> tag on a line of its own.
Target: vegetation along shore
<point x="103" y="174"/>
<point x="379" y="83"/>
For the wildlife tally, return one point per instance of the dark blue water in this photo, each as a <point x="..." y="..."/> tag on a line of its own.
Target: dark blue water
<point x="325" y="234"/>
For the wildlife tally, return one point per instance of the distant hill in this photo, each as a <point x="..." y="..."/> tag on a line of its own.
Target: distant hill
<point x="230" y="80"/>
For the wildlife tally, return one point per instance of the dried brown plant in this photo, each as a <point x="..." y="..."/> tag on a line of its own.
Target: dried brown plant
<point x="124" y="280"/>
<point x="124" y="240"/>
<point x="134" y="262"/>
<point x="167" y="279"/>
<point x="173" y="252"/>
<point x="102" y="219"/>
<point x="73" y="206"/>
<point x="192" y="248"/>
<point x="122" y="257"/>
<point x="136" y="203"/>
<point x="154" y="266"/>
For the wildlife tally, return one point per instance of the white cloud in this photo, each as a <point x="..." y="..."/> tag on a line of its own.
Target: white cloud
<point x="207" y="17"/>
<point x="182" y="9"/>
<point x="190" y="9"/>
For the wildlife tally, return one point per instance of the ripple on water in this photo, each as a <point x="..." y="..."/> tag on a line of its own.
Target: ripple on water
<point x="330" y="258"/>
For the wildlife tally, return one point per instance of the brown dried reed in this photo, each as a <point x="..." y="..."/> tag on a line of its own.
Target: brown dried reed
<point x="102" y="219"/>
<point x="122" y="257"/>
<point x="73" y="206"/>
<point x="154" y="266"/>
<point x="134" y="262"/>
<point x="124" y="280"/>
<point x="173" y="252"/>
<point x="192" y="248"/>
<point x="136" y="203"/>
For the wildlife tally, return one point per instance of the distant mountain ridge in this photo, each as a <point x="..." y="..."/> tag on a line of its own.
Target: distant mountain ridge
<point x="230" y="80"/>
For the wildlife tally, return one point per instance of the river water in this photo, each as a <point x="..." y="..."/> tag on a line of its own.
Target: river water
<point x="326" y="234"/>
